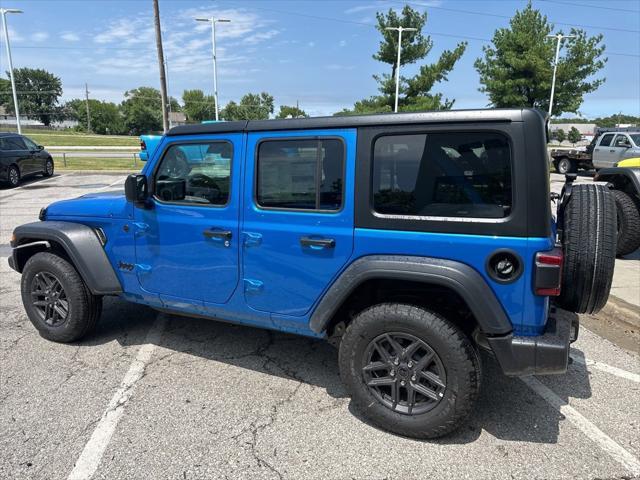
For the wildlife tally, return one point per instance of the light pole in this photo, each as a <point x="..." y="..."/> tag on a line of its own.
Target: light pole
<point x="400" y="30"/>
<point x="559" y="37"/>
<point x="213" y="22"/>
<point x="3" y="12"/>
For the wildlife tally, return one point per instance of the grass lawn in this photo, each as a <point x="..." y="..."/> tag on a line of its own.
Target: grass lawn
<point x="65" y="138"/>
<point x="83" y="163"/>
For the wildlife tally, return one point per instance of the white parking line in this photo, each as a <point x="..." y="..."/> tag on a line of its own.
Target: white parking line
<point x="91" y="455"/>
<point x="618" y="372"/>
<point x="606" y="443"/>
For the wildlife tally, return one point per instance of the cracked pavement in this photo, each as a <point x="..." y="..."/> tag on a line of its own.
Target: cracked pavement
<point x="217" y="400"/>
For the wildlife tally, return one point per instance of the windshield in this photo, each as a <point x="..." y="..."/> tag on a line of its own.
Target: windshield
<point x="636" y="139"/>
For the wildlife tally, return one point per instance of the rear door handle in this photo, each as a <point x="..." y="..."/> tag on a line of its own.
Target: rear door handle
<point x="222" y="234"/>
<point x="317" y="242"/>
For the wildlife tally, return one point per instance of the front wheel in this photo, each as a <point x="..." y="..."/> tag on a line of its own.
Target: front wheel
<point x="409" y="370"/>
<point x="56" y="299"/>
<point x="48" y="168"/>
<point x="628" y="214"/>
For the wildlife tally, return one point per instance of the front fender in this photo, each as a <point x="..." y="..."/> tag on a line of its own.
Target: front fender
<point x="80" y="243"/>
<point x="459" y="277"/>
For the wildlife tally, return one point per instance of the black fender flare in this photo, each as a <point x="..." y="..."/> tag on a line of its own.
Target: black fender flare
<point x="610" y="175"/>
<point x="457" y="276"/>
<point x="81" y="244"/>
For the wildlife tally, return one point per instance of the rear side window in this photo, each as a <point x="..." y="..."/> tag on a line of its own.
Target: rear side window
<point x="606" y="140"/>
<point x="442" y="175"/>
<point x="12" y="143"/>
<point x="300" y="174"/>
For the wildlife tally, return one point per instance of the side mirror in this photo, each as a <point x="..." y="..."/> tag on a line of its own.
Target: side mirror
<point x="135" y="188"/>
<point x="39" y="147"/>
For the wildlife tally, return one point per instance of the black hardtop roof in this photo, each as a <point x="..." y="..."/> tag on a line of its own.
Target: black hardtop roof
<point x="9" y="134"/>
<point x="350" y="121"/>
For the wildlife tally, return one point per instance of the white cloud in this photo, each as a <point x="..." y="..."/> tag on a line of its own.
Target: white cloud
<point x="69" y="37"/>
<point x="311" y="44"/>
<point x="342" y="43"/>
<point x="14" y="37"/>
<point x="39" y="36"/>
<point x="384" y="6"/>
<point x="259" y="37"/>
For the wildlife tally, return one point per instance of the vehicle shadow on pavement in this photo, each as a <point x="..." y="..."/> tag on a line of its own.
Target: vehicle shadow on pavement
<point x="507" y="408"/>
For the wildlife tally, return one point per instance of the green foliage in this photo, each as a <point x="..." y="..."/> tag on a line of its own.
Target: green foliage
<point x="252" y="106"/>
<point x="517" y="69"/>
<point x="142" y="110"/>
<point x="106" y="118"/>
<point x="287" y="111"/>
<point x="415" y="92"/>
<point x="574" y="135"/>
<point x="560" y="135"/>
<point x="197" y="106"/>
<point x="41" y="91"/>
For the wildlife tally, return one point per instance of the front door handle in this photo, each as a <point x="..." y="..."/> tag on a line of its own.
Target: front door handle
<point x="222" y="234"/>
<point x="318" y="242"/>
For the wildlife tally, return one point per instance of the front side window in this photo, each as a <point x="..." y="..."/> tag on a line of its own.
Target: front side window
<point x="300" y="174"/>
<point x="606" y="140"/>
<point x="621" y="141"/>
<point x="442" y="174"/>
<point x="195" y="173"/>
<point x="30" y="144"/>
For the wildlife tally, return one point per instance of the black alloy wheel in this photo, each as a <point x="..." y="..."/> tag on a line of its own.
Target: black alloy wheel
<point x="49" y="299"/>
<point x="404" y="373"/>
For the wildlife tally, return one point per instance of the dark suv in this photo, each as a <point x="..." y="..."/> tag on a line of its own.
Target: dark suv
<point x="20" y="156"/>
<point x="410" y="241"/>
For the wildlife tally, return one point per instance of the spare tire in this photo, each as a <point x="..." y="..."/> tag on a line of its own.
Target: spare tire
<point x="589" y="237"/>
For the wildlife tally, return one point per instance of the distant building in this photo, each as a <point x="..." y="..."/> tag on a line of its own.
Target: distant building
<point x="177" y="118"/>
<point x="587" y="130"/>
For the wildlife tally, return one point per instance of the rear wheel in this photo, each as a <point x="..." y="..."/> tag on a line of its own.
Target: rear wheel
<point x="409" y="370"/>
<point x="628" y="223"/>
<point x="589" y="245"/>
<point x="56" y="300"/>
<point x="566" y="165"/>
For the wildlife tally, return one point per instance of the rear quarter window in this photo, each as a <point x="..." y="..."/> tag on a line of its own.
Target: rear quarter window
<point x="464" y="174"/>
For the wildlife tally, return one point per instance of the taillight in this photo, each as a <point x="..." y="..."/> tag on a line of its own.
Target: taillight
<point x="548" y="272"/>
<point x="143" y="146"/>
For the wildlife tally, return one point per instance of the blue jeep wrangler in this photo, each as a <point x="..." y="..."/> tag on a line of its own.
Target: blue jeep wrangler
<point x="410" y="241"/>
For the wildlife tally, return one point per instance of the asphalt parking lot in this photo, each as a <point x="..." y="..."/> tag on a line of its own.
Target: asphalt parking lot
<point x="150" y="395"/>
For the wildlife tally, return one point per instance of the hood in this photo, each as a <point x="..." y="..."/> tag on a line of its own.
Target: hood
<point x="100" y="204"/>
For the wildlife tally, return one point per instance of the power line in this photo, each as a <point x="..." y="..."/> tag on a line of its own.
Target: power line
<point x="573" y="4"/>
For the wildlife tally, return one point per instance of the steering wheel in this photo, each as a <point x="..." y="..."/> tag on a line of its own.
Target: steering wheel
<point x="177" y="166"/>
<point x="201" y="180"/>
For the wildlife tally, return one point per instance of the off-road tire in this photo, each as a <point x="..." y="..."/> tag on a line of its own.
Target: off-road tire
<point x="13" y="176"/>
<point x="48" y="172"/>
<point x="458" y="356"/>
<point x="84" y="307"/>
<point x="589" y="245"/>
<point x="628" y="223"/>
<point x="565" y="165"/>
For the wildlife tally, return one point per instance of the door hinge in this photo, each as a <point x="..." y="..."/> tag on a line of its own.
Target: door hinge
<point x="253" y="286"/>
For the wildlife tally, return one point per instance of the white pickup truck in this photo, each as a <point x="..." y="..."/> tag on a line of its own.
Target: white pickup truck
<point x="604" y="152"/>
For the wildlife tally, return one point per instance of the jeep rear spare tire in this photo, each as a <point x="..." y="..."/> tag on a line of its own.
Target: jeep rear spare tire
<point x="589" y="246"/>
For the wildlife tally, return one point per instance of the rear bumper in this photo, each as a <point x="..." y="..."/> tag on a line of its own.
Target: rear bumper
<point x="545" y="354"/>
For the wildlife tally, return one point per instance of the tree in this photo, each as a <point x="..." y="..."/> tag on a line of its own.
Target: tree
<point x="574" y="135"/>
<point x="517" y="69"/>
<point x="415" y="92"/>
<point x="142" y="110"/>
<point x="197" y="106"/>
<point x="106" y="117"/>
<point x="560" y="135"/>
<point x="287" y="111"/>
<point x="38" y="94"/>
<point x="252" y="106"/>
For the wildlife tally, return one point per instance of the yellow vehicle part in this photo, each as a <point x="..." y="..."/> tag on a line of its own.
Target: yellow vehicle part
<point x="629" y="163"/>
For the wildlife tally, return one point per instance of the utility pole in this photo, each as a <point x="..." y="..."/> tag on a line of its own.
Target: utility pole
<point x="400" y="29"/>
<point x="213" y="22"/>
<point x="559" y="37"/>
<point x="166" y="73"/>
<point x="86" y="96"/>
<point x="3" y="12"/>
<point x="163" y="80"/>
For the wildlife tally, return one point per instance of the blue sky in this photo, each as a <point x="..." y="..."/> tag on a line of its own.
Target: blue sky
<point x="312" y="51"/>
